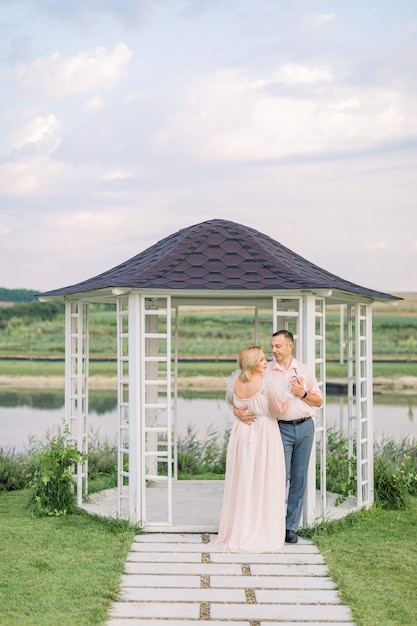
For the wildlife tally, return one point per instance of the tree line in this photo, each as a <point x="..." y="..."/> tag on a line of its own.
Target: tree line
<point x="26" y="307"/>
<point x="17" y="295"/>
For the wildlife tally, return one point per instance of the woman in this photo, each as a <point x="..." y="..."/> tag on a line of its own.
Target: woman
<point x="253" y="511"/>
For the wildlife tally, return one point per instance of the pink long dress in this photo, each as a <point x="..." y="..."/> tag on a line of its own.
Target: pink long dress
<point x="252" y="517"/>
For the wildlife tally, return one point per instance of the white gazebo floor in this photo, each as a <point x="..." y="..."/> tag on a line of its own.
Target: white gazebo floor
<point x="196" y="506"/>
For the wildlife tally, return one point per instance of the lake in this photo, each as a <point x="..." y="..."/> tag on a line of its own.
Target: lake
<point x="25" y="413"/>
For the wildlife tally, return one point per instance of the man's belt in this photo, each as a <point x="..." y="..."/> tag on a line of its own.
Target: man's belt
<point x="295" y="422"/>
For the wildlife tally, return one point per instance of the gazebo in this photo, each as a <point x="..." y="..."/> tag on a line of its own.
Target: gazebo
<point x="210" y="264"/>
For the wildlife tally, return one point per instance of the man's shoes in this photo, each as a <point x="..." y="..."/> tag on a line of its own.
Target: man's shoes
<point x="290" y="536"/>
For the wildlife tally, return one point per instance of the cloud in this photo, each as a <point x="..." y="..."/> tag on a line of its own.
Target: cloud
<point x="119" y="174"/>
<point x="59" y="76"/>
<point x="4" y="230"/>
<point x="39" y="130"/>
<point x="229" y="115"/>
<point x="83" y="222"/>
<point x="30" y="176"/>
<point x="293" y="74"/>
<point x="95" y="103"/>
<point x="319" y="19"/>
<point x="377" y="245"/>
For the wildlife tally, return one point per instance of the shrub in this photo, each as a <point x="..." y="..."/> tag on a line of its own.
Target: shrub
<point x="102" y="465"/>
<point x="187" y="463"/>
<point x="199" y="456"/>
<point x="14" y="470"/>
<point x="340" y="470"/>
<point x="52" y="487"/>
<point x="102" y="459"/>
<point x="395" y="470"/>
<point x="395" y="473"/>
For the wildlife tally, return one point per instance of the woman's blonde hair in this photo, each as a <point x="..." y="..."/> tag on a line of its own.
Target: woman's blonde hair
<point x="248" y="360"/>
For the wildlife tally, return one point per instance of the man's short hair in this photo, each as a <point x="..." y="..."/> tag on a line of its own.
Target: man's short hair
<point x="287" y="334"/>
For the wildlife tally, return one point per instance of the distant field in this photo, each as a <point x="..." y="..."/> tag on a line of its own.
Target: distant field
<point x="215" y="333"/>
<point x="188" y="369"/>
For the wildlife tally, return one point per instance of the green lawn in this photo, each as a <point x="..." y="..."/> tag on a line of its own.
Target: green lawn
<point x="372" y="557"/>
<point x="58" y="570"/>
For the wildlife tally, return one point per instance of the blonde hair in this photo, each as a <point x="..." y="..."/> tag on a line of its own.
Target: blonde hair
<point x="248" y="360"/>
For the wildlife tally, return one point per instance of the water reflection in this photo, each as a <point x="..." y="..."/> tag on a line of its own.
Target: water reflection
<point x="100" y="402"/>
<point x="34" y="412"/>
<point x="35" y="398"/>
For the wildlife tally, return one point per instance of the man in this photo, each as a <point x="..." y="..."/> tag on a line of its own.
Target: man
<point x="294" y="395"/>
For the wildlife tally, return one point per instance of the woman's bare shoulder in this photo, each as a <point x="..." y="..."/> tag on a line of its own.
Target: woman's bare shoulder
<point x="246" y="391"/>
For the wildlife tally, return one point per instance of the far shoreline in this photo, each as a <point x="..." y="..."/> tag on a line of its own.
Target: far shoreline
<point x="400" y="384"/>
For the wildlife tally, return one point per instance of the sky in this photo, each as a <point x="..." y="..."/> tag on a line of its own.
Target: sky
<point x="124" y="121"/>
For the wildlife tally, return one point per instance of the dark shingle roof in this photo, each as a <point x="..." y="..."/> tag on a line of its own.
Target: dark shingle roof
<point x="217" y="255"/>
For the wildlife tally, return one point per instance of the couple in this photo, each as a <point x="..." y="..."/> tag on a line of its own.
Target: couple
<point x="261" y="457"/>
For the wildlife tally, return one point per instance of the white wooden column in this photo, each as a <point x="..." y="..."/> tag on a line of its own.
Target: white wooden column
<point x="313" y="355"/>
<point x="123" y="474"/>
<point x="156" y="411"/>
<point x="370" y="413"/>
<point x="175" y="431"/>
<point x="76" y="384"/>
<point x="136" y="491"/>
<point x="364" y="404"/>
<point x="360" y="400"/>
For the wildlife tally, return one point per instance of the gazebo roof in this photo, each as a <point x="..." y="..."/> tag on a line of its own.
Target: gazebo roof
<point x="218" y="255"/>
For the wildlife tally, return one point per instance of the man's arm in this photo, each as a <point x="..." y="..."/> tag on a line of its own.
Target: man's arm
<point x="312" y="399"/>
<point x="245" y="416"/>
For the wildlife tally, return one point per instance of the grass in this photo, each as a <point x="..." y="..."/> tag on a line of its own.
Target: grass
<point x="58" y="570"/>
<point x="372" y="557"/>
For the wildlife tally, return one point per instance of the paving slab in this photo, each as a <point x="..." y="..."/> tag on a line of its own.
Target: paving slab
<point x="296" y="596"/>
<point x="159" y="580"/>
<point x="164" y="557"/>
<point x="300" y="612"/>
<point x="175" y="594"/>
<point x="200" y="569"/>
<point x="269" y="559"/>
<point x="156" y="609"/>
<point x="271" y="582"/>
<point x="286" y="550"/>
<point x="181" y="622"/>
<point x="287" y="569"/>
<point x="303" y="623"/>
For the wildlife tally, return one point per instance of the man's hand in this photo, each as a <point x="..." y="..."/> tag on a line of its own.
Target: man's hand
<point x="297" y="387"/>
<point x="244" y="415"/>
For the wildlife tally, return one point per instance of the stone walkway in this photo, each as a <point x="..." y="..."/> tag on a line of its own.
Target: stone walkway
<point x="179" y="580"/>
